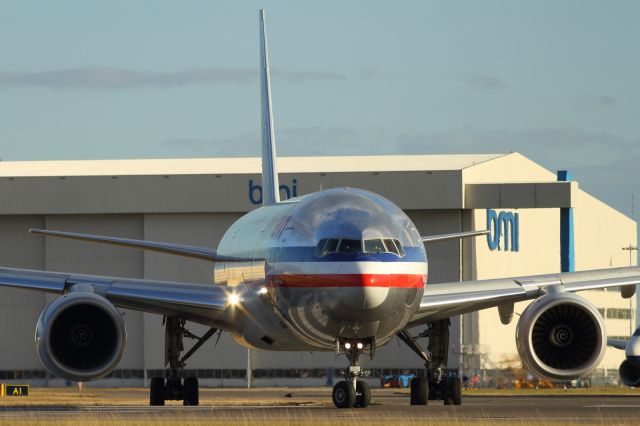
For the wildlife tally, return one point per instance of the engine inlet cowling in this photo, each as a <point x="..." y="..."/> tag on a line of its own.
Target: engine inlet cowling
<point x="561" y="336"/>
<point x="80" y="336"/>
<point x="629" y="373"/>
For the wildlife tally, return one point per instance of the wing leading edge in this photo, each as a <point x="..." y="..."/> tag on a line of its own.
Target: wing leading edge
<point x="206" y="304"/>
<point x="455" y="236"/>
<point x="449" y="299"/>
<point x="202" y="253"/>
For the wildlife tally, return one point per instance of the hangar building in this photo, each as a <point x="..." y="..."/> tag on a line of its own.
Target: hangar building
<point x="193" y="201"/>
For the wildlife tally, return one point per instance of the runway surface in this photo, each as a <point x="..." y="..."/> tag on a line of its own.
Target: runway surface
<point x="273" y="405"/>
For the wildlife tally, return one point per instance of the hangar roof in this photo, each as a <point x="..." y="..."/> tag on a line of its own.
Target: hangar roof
<point x="203" y="166"/>
<point x="233" y="184"/>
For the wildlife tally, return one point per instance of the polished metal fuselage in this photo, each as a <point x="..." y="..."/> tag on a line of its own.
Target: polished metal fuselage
<point x="293" y="299"/>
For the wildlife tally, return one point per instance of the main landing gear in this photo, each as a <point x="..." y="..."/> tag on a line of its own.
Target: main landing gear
<point x="352" y="392"/>
<point x="174" y="387"/>
<point x="435" y="384"/>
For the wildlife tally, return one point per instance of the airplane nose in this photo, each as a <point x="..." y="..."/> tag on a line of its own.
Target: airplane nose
<point x="364" y="297"/>
<point x="369" y="289"/>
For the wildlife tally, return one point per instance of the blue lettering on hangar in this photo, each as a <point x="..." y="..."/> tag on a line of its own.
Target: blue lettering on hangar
<point x="286" y="191"/>
<point x="504" y="227"/>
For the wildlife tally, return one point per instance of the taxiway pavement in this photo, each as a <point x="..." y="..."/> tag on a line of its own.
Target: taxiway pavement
<point x="302" y="405"/>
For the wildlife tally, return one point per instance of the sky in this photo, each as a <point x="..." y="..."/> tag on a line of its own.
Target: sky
<point x="557" y="81"/>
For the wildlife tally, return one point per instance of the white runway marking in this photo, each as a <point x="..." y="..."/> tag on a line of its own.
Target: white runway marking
<point x="613" y="406"/>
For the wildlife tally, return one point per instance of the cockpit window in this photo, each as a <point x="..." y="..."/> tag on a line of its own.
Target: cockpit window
<point x="374" y="246"/>
<point x="385" y="245"/>
<point x="331" y="246"/>
<point x="391" y="246"/>
<point x="350" y="246"/>
<point x="320" y="247"/>
<point x="400" y="249"/>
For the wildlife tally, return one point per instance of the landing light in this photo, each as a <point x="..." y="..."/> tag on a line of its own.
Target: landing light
<point x="347" y="345"/>
<point x="263" y="290"/>
<point x="360" y="345"/>
<point x="233" y="299"/>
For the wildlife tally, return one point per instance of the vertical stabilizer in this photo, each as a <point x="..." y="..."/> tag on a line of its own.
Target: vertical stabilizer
<point x="270" y="186"/>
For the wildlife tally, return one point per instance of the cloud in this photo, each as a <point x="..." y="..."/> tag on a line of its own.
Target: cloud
<point x="110" y="78"/>
<point x="552" y="147"/>
<point x="606" y="101"/>
<point x="243" y="145"/>
<point x="367" y="73"/>
<point x="297" y="141"/>
<point x="299" y="76"/>
<point x="614" y="182"/>
<point x="483" y="81"/>
<point x="105" y="78"/>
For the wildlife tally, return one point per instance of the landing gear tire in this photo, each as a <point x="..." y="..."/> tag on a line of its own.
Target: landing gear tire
<point x="431" y="391"/>
<point x="363" y="394"/>
<point x="456" y="391"/>
<point x="156" y="391"/>
<point x="190" y="391"/>
<point x="453" y="392"/>
<point x="344" y="396"/>
<point x="419" y="391"/>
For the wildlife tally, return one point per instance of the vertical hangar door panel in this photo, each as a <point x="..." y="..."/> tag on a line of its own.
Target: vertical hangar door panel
<point x="20" y="309"/>
<point x="443" y="257"/>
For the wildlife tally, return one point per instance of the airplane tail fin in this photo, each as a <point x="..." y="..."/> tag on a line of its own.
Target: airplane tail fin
<point x="270" y="186"/>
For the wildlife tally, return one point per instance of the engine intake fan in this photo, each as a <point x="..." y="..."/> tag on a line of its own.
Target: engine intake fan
<point x="80" y="336"/>
<point x="561" y="336"/>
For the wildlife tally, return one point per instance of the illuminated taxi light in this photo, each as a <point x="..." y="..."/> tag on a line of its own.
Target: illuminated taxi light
<point x="233" y="299"/>
<point x="347" y="345"/>
<point x="360" y="345"/>
<point x="263" y="290"/>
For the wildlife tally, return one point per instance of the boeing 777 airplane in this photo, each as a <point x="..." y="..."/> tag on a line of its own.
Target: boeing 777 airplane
<point x="341" y="270"/>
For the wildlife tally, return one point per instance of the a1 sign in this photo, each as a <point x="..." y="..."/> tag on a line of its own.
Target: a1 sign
<point x="15" y="390"/>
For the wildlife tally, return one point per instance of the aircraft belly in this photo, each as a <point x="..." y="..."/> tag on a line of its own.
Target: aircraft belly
<point x="310" y="319"/>
<point x="265" y="326"/>
<point x="322" y="314"/>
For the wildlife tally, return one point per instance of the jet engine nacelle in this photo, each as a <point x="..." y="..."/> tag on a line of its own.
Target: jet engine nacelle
<point x="80" y="336"/>
<point x="561" y="336"/>
<point x="629" y="373"/>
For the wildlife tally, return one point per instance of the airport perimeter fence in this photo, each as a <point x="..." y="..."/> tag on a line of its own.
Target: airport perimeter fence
<point x="518" y="379"/>
<point x="472" y="379"/>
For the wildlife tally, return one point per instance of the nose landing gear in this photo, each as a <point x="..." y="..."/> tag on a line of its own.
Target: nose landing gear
<point x="352" y="392"/>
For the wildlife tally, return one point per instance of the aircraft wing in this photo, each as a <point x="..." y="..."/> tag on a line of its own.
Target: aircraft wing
<point x="618" y="344"/>
<point x="202" y="253"/>
<point x="455" y="236"/>
<point x="206" y="304"/>
<point x="449" y="299"/>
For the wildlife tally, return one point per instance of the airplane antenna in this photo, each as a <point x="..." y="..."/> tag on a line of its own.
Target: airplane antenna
<point x="270" y="186"/>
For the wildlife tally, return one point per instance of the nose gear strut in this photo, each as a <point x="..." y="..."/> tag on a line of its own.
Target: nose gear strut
<point x="352" y="392"/>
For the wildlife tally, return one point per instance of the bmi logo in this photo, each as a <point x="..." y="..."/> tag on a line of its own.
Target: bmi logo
<point x="286" y="191"/>
<point x="504" y="230"/>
